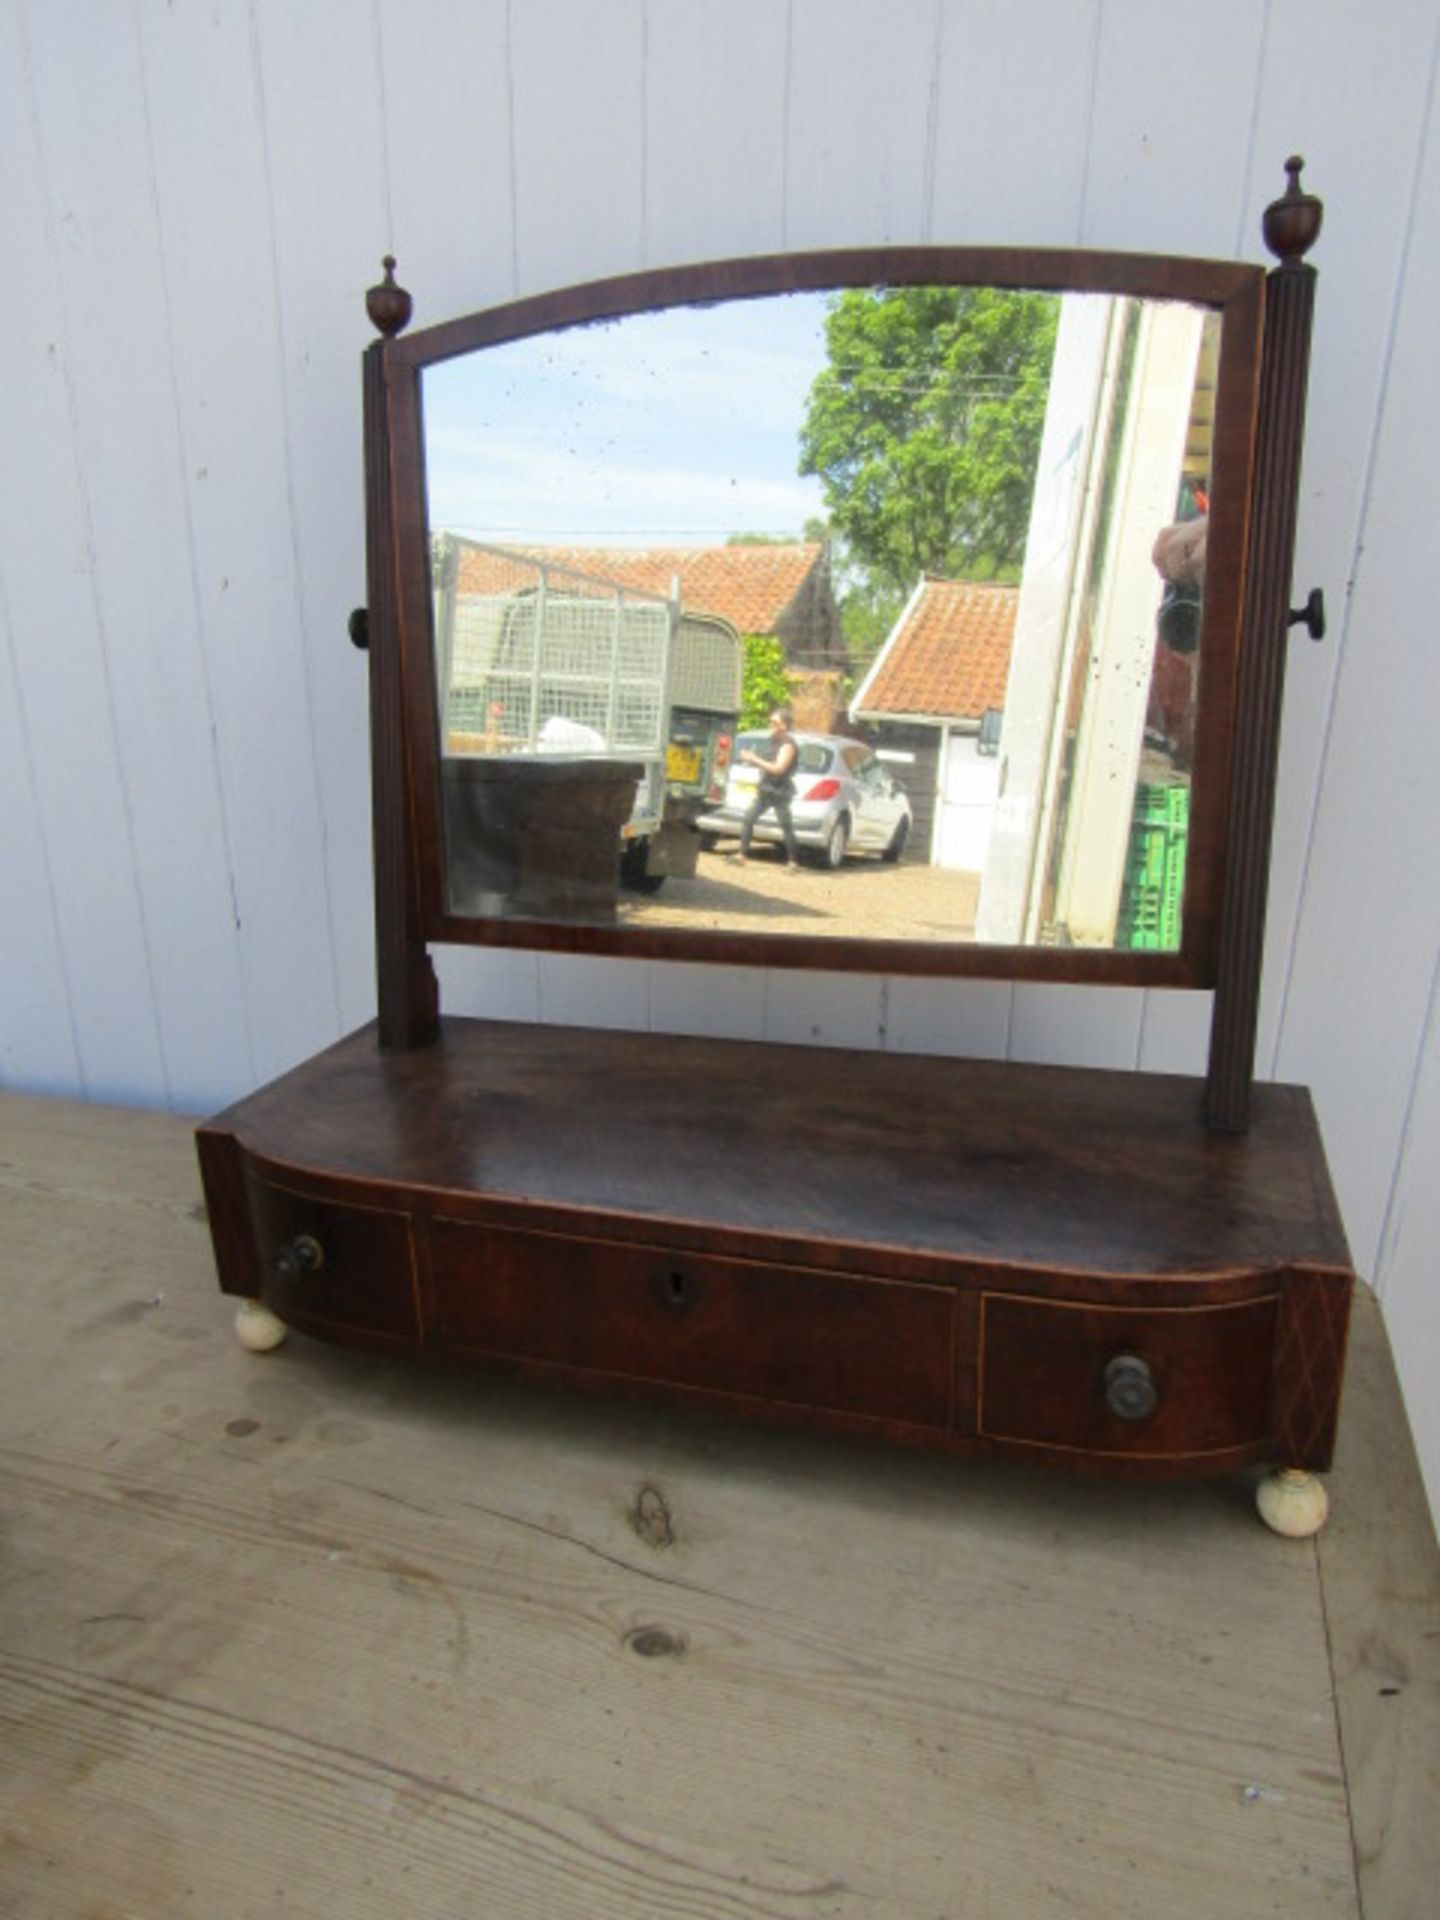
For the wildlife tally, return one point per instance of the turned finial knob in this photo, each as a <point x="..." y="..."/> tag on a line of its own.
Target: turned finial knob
<point x="1292" y="223"/>
<point x="388" y="306"/>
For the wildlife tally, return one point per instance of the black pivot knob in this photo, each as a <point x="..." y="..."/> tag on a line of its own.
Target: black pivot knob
<point x="1129" y="1388"/>
<point x="358" y="627"/>
<point x="1311" y="616"/>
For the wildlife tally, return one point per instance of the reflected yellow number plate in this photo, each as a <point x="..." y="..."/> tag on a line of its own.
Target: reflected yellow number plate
<point x="682" y="763"/>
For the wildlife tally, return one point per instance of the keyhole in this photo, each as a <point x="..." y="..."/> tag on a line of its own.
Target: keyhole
<point x="677" y="1289"/>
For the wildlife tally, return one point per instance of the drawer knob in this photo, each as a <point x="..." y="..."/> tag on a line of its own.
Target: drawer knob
<point x="1129" y="1388"/>
<point x="298" y="1257"/>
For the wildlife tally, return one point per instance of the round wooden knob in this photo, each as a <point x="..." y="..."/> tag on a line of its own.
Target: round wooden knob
<point x="1129" y="1388"/>
<point x="298" y="1257"/>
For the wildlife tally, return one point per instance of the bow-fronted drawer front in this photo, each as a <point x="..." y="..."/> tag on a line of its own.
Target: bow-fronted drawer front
<point x="842" y="1342"/>
<point x="334" y="1267"/>
<point x="1155" y="1382"/>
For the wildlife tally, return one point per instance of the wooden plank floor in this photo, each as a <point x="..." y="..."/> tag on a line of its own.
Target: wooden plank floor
<point x="317" y="1634"/>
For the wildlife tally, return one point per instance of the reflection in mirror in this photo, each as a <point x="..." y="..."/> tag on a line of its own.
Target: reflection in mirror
<point x="904" y="581"/>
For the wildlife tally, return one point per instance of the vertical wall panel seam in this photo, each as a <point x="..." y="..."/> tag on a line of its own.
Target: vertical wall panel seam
<point x="510" y="149"/>
<point x="26" y="746"/>
<point x="47" y="215"/>
<point x="196" y="593"/>
<point x="1140" y="1025"/>
<point x="932" y="122"/>
<point x="1341" y="630"/>
<point x="1083" y="211"/>
<point x="387" y="208"/>
<point x="292" y="517"/>
<point x="1390" y="1220"/>
<point x="28" y="758"/>
<point x="1244" y="239"/>
<point x="786" y="119"/>
<point x="644" y="133"/>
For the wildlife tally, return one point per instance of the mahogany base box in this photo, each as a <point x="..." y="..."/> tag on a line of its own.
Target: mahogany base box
<point x="1038" y="1262"/>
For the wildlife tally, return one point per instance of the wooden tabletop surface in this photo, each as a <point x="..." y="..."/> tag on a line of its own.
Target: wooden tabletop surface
<point x="321" y="1633"/>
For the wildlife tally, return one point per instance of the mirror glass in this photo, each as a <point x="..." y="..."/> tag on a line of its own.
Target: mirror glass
<point x="902" y="582"/>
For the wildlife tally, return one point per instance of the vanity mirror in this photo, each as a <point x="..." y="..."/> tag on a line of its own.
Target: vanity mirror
<point x="980" y="516"/>
<point x="1013" y="531"/>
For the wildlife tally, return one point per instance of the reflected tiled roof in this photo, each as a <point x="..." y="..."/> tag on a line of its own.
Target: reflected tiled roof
<point x="749" y="586"/>
<point x="950" y="654"/>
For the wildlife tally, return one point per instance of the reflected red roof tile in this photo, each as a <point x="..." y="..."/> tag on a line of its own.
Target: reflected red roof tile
<point x="750" y="586"/>
<point x="950" y="654"/>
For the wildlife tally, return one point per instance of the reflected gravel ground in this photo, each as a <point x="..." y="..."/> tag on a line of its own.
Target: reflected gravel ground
<point x="865" y="900"/>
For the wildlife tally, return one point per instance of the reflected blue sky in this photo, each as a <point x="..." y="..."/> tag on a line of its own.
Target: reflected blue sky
<point x="674" y="428"/>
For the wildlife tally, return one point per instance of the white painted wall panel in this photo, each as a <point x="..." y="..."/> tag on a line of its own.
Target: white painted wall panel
<point x="498" y="983"/>
<point x="328" y="207"/>
<point x="37" y="1037"/>
<point x="37" y="1041"/>
<point x="1169" y="139"/>
<point x="196" y="200"/>
<point x="246" y="698"/>
<point x="583" y="990"/>
<point x="1352" y="99"/>
<point x="939" y="1016"/>
<point x="822" y="1009"/>
<point x="579" y="84"/>
<point x="715" y="129"/>
<point x="52" y="589"/>
<point x="992" y="53"/>
<point x="445" y="78"/>
<point x="859" y="121"/>
<point x="1175" y="1032"/>
<point x="1405" y="1274"/>
<point x="727" y="1003"/>
<point x="1369" y="926"/>
<point x="139" y="490"/>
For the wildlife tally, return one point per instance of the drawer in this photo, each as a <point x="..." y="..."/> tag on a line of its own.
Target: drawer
<point x="1147" y="1381"/>
<point x="788" y="1336"/>
<point x="332" y="1265"/>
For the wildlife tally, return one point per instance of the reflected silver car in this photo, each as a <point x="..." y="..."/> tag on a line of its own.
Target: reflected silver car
<point x="846" y="800"/>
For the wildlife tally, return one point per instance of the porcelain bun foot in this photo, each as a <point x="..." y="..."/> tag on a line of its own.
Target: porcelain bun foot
<point x="257" y="1328"/>
<point x="1292" y="1502"/>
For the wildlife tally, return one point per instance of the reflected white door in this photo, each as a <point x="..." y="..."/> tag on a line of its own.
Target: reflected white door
<point x="969" y="785"/>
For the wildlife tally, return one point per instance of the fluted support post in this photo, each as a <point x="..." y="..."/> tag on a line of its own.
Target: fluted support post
<point x="407" y="991"/>
<point x="1292" y="224"/>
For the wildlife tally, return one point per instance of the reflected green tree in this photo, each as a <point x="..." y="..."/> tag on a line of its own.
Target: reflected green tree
<point x="764" y="685"/>
<point x="924" y="428"/>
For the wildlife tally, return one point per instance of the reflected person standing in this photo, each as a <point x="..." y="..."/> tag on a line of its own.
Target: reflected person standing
<point x="776" y="787"/>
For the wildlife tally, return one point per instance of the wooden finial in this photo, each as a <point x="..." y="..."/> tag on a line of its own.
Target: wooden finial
<point x="1292" y="223"/>
<point x="388" y="306"/>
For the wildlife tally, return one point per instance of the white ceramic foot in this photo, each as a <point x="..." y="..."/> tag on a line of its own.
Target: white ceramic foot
<point x="1292" y="1503"/>
<point x="257" y="1328"/>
